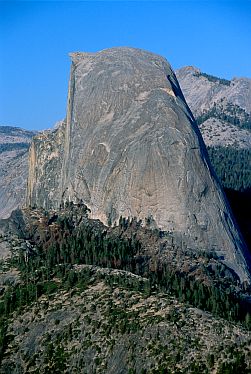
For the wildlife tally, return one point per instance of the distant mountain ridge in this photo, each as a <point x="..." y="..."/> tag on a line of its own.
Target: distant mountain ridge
<point x="202" y="90"/>
<point x="221" y="107"/>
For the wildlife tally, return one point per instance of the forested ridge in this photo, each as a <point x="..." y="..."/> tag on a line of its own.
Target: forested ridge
<point x="6" y="147"/>
<point x="227" y="112"/>
<point x="233" y="169"/>
<point x="213" y="78"/>
<point x="232" y="166"/>
<point x="58" y="241"/>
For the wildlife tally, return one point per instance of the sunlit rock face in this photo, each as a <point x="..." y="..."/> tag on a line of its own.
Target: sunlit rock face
<point x="203" y="91"/>
<point x="222" y="107"/>
<point x="14" y="144"/>
<point x="130" y="147"/>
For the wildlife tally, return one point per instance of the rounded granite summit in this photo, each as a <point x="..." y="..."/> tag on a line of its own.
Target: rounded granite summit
<point x="130" y="147"/>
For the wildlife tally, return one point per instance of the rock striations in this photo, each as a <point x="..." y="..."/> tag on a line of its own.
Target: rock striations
<point x="130" y="147"/>
<point x="14" y="144"/>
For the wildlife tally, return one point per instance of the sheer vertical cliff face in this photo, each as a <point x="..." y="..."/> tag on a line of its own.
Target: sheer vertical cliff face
<point x="14" y="145"/>
<point x="130" y="147"/>
<point x="45" y="168"/>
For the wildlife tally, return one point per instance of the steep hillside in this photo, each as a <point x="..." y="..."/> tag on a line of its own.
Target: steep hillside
<point x="103" y="327"/>
<point x="221" y="107"/>
<point x="79" y="296"/>
<point x="202" y="91"/>
<point x="14" y="144"/>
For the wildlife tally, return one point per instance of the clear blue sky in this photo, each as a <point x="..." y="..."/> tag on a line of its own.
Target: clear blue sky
<point x="35" y="38"/>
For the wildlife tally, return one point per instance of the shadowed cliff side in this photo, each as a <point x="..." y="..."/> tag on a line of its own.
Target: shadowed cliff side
<point x="131" y="148"/>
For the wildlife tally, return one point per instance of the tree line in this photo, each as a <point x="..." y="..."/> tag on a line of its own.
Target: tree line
<point x="89" y="244"/>
<point x="229" y="113"/>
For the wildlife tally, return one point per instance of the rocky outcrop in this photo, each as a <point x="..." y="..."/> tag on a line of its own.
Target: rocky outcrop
<point x="111" y="330"/>
<point x="222" y="107"/>
<point x="14" y="144"/>
<point x="218" y="133"/>
<point x="203" y="90"/>
<point x="130" y="147"/>
<point x="45" y="167"/>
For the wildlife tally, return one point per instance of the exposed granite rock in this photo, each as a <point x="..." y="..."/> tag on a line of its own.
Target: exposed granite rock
<point x="45" y="166"/>
<point x="202" y="90"/>
<point x="222" y="107"/>
<point x="218" y="133"/>
<point x="112" y="330"/>
<point x="131" y="147"/>
<point x="14" y="144"/>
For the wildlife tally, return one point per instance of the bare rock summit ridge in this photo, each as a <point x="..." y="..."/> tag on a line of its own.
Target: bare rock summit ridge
<point x="130" y="147"/>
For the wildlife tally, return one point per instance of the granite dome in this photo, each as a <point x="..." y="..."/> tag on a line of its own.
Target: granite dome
<point x="130" y="147"/>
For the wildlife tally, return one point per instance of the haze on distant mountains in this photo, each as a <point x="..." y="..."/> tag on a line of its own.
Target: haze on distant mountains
<point x="36" y="37"/>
